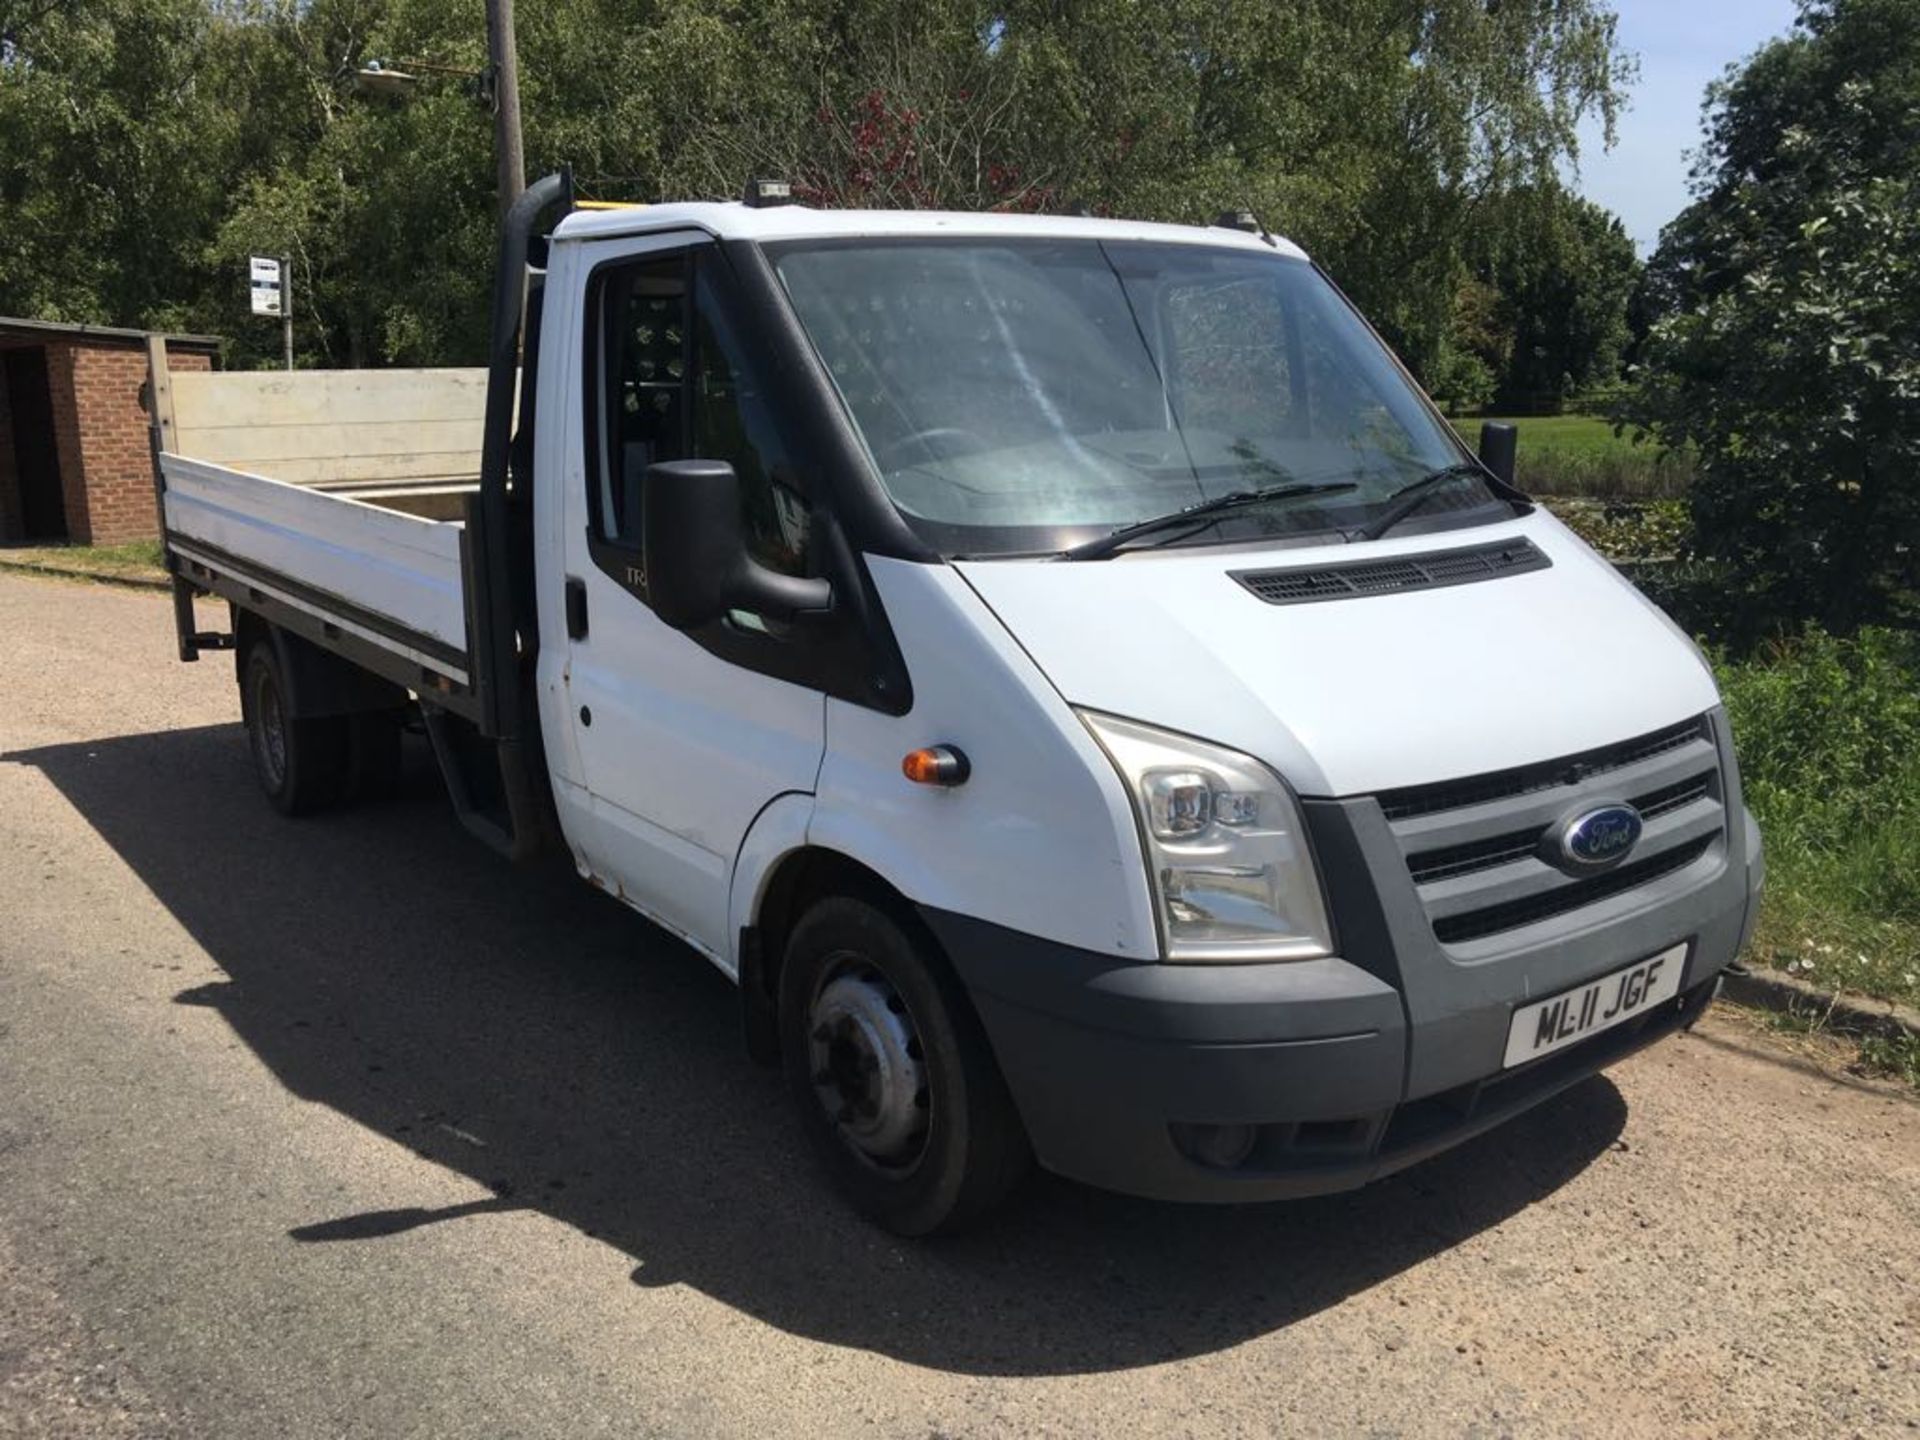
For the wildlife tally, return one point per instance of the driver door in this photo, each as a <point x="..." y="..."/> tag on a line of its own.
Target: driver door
<point x="678" y="747"/>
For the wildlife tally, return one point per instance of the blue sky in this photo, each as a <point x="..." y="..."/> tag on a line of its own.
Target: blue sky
<point x="1682" y="45"/>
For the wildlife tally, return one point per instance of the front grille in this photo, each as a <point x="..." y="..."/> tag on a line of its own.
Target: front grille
<point x="1481" y="850"/>
<point x="1353" y="579"/>
<point x="1545" y="775"/>
<point x="1432" y="865"/>
<point x="1480" y="923"/>
<point x="1674" y="797"/>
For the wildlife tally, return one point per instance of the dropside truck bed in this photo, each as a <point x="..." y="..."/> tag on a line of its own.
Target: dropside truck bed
<point x="384" y="589"/>
<point x="370" y="607"/>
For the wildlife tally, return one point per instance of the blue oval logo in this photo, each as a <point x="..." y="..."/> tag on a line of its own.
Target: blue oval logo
<point x="1597" y="838"/>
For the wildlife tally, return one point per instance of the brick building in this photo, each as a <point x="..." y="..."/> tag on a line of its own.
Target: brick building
<point x="74" y="457"/>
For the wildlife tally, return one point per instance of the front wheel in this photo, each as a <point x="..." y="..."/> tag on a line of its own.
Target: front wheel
<point x="895" y="1081"/>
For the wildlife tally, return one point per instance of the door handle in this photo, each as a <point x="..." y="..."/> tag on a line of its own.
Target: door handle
<point x="576" y="608"/>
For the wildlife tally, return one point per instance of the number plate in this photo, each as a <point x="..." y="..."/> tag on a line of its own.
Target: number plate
<point x="1571" y="1016"/>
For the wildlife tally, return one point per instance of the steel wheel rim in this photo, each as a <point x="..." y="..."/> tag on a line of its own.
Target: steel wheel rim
<point x="269" y="730"/>
<point x="867" y="1064"/>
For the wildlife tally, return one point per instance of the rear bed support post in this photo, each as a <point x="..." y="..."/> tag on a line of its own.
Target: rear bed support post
<point x="499" y="788"/>
<point x="159" y="398"/>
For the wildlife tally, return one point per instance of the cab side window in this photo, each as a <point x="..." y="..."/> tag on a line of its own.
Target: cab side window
<point x="646" y="353"/>
<point x="733" y="420"/>
<point x="677" y="382"/>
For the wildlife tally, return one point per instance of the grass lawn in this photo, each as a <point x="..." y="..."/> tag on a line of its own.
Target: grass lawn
<point x="1828" y="734"/>
<point x="136" y="560"/>
<point x="1562" y="434"/>
<point x="1579" y="455"/>
<point x="1807" y="931"/>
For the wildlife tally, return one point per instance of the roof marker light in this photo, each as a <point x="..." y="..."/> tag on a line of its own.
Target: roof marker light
<point x="767" y="192"/>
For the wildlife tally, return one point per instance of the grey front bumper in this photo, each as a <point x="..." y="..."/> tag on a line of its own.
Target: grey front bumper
<point x="1100" y="1103"/>
<point x="1350" y="1068"/>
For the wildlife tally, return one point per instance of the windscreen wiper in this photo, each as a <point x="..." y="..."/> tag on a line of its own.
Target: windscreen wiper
<point x="1100" y="547"/>
<point x="1409" y="498"/>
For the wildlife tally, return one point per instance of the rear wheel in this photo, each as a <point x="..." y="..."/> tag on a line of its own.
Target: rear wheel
<point x="303" y="764"/>
<point x="892" y="1073"/>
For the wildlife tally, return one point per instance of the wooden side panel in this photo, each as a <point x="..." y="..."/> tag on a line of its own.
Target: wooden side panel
<point x="308" y="426"/>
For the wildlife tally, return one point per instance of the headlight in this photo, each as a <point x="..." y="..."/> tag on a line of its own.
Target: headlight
<point x="1230" y="868"/>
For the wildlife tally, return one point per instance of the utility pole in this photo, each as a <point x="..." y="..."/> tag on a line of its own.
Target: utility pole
<point x="510" y="167"/>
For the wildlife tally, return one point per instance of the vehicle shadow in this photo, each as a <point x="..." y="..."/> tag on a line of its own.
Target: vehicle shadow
<point x="527" y="1031"/>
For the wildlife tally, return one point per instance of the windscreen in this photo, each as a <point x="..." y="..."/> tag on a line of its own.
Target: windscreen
<point x="1018" y="396"/>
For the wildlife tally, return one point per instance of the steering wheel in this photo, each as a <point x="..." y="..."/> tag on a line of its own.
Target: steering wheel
<point x="924" y="440"/>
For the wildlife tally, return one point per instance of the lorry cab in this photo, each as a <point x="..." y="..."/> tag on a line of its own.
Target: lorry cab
<point x="1070" y="677"/>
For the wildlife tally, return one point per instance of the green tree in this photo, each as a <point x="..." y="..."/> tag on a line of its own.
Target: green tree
<point x="1564" y="271"/>
<point x="1380" y="133"/>
<point x="115" y="145"/>
<point x="1377" y="133"/>
<point x="1787" y="348"/>
<point x="1465" y="374"/>
<point x="384" y="205"/>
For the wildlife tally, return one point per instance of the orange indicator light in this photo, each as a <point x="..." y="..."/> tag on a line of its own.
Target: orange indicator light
<point x="936" y="765"/>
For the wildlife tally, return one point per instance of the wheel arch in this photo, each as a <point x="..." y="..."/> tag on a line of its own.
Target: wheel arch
<point x="785" y="886"/>
<point x="249" y="629"/>
<point x="318" y="682"/>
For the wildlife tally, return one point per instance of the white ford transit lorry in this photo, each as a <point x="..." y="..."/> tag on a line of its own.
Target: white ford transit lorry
<point x="1063" y="670"/>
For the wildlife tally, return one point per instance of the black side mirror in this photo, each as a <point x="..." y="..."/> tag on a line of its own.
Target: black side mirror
<point x="1497" y="445"/>
<point x="695" y="551"/>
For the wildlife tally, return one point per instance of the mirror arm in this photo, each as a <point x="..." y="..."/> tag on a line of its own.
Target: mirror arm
<point x="785" y="597"/>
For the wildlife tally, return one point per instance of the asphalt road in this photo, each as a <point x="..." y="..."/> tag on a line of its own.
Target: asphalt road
<point x="343" y="1128"/>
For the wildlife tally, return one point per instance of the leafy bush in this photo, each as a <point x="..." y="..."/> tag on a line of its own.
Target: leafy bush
<point x="1826" y="727"/>
<point x="1828" y="734"/>
<point x="1460" y="380"/>
<point x="1786" y="349"/>
<point x="1627" y="529"/>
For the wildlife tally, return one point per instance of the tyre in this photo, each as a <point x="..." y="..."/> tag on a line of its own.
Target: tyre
<point x="891" y="1071"/>
<point x="303" y="764"/>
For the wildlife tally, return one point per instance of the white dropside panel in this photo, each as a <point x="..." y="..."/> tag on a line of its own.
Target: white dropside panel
<point x="396" y="566"/>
